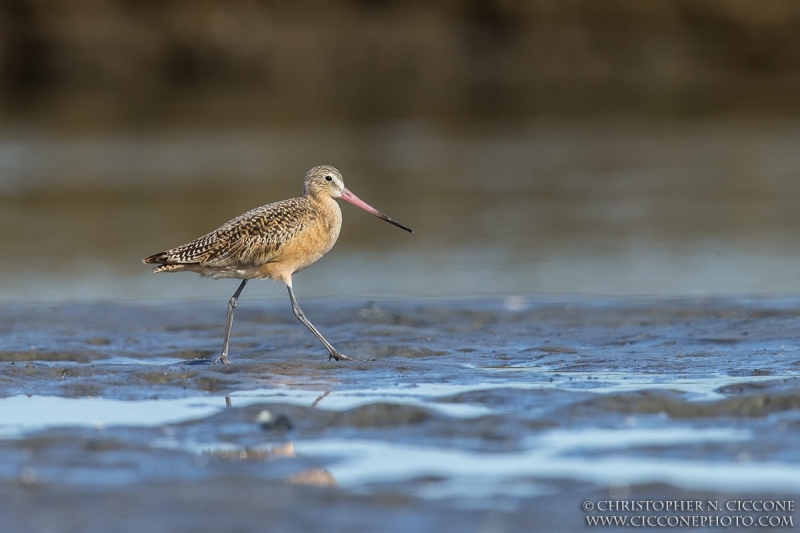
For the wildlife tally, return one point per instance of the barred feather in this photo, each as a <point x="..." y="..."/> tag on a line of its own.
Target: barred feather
<point x="252" y="238"/>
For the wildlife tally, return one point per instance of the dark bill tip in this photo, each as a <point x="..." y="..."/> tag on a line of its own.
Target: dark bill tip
<point x="396" y="223"/>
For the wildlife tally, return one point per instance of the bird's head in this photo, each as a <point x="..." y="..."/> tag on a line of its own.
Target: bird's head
<point x="323" y="181"/>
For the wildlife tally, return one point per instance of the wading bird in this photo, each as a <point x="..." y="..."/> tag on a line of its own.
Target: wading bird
<point x="273" y="241"/>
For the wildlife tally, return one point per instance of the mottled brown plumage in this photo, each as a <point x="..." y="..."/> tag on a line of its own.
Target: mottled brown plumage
<point x="272" y="241"/>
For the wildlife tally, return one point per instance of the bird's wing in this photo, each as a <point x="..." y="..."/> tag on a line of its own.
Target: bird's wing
<point x="253" y="238"/>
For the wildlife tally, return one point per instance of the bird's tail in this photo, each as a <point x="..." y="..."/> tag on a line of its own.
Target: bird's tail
<point x="163" y="263"/>
<point x="160" y="257"/>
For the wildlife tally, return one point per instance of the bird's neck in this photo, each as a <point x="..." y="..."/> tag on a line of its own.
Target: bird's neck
<point x="317" y="198"/>
<point x="324" y="203"/>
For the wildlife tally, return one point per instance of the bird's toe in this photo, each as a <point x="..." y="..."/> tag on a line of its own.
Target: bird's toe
<point x="339" y="357"/>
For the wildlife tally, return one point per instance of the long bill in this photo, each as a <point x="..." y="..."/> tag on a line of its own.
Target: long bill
<point x="355" y="200"/>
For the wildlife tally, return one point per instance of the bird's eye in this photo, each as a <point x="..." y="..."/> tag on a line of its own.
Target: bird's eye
<point x="328" y="178"/>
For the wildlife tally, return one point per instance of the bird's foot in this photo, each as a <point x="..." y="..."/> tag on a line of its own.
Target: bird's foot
<point x="222" y="359"/>
<point x="339" y="357"/>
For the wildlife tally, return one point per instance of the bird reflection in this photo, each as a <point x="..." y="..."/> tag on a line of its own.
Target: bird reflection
<point x="318" y="477"/>
<point x="319" y="399"/>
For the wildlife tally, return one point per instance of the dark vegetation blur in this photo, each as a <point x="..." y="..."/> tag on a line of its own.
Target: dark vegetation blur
<point x="104" y="62"/>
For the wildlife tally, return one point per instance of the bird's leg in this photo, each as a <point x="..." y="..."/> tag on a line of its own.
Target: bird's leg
<point x="234" y="301"/>
<point x="334" y="353"/>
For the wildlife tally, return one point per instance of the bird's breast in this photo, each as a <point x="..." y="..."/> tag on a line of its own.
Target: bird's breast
<point x="307" y="246"/>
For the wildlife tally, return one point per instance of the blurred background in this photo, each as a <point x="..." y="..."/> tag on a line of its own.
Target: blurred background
<point x="541" y="146"/>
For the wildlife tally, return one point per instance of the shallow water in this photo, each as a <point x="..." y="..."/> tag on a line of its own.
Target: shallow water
<point x="460" y="415"/>
<point x="547" y="207"/>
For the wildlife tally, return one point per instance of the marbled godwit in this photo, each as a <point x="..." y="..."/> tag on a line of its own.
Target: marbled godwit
<point x="272" y="241"/>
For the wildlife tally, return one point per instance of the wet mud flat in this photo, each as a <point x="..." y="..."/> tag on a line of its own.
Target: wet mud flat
<point x="494" y="414"/>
